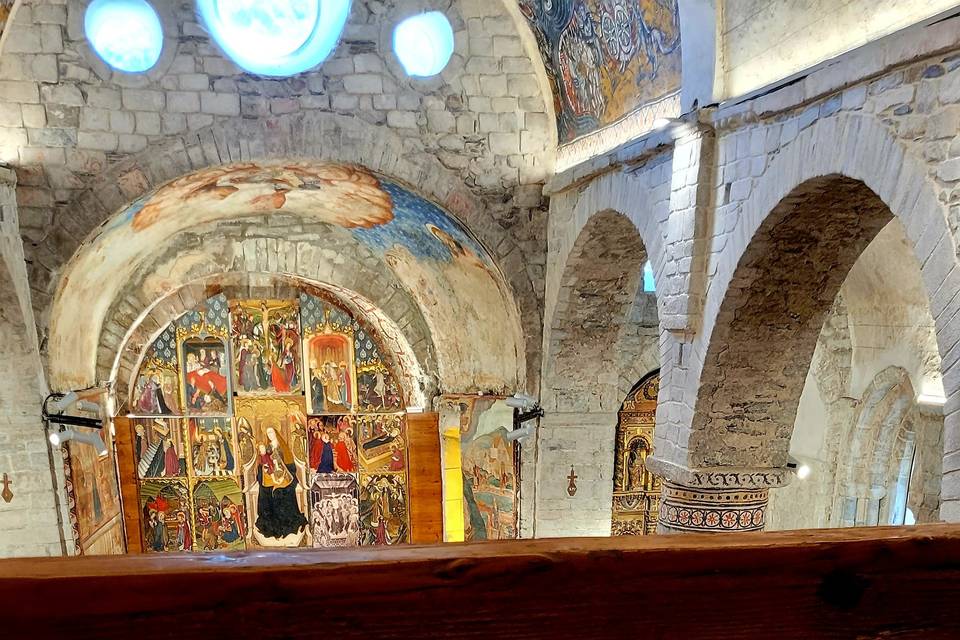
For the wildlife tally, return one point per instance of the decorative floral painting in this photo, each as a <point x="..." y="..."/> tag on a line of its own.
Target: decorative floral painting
<point x="212" y="447"/>
<point x="383" y="509"/>
<point x="266" y="345"/>
<point x="254" y="470"/>
<point x="335" y="508"/>
<point x="273" y="448"/>
<point x="605" y="58"/>
<point x="219" y="516"/>
<point x="159" y="446"/>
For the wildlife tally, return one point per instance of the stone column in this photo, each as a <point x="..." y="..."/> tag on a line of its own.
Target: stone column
<point x="717" y="500"/>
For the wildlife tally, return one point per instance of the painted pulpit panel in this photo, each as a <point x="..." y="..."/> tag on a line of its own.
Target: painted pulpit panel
<point x="266" y="347"/>
<point x="384" y="512"/>
<point x="273" y="453"/>
<point x="219" y="515"/>
<point x="159" y="447"/>
<point x="166" y="516"/>
<point x="156" y="389"/>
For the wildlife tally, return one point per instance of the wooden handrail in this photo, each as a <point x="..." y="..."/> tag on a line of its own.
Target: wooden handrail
<point x="847" y="583"/>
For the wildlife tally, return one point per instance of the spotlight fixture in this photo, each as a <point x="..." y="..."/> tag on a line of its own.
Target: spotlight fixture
<point x="525" y="408"/>
<point x="59" y="438"/>
<point x="802" y="469"/>
<point x="521" y="433"/>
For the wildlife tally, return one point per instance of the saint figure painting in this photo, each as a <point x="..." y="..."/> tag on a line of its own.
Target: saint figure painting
<point x="266" y="345"/>
<point x="206" y="389"/>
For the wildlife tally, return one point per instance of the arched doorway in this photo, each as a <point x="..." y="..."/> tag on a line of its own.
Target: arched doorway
<point x="636" y="491"/>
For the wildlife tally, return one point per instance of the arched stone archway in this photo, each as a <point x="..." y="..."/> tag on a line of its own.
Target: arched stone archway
<point x="746" y="387"/>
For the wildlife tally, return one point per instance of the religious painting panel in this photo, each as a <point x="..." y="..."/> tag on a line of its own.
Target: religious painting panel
<point x="332" y="444"/>
<point x="335" y="510"/>
<point x="608" y="59"/>
<point x="206" y="377"/>
<point x="488" y="463"/>
<point x="156" y="390"/>
<point x="166" y="516"/>
<point x="212" y="447"/>
<point x="636" y="491"/>
<point x="384" y="518"/>
<point x="219" y="515"/>
<point x="377" y="388"/>
<point x="266" y="346"/>
<point x="328" y="349"/>
<point x="160" y="448"/>
<point x="95" y="491"/>
<point x="383" y="443"/>
<point x="272" y="436"/>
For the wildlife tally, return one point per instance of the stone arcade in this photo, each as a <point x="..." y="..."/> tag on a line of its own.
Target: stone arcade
<point x="720" y="254"/>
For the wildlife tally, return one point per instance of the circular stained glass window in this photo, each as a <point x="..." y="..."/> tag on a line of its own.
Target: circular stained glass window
<point x="275" y="37"/>
<point x="424" y="43"/>
<point x="125" y="33"/>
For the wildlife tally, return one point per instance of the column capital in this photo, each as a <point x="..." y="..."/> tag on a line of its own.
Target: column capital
<point x="720" y="477"/>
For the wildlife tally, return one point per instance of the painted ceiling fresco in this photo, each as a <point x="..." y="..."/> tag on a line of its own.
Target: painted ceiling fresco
<point x="605" y="58"/>
<point x="447" y="272"/>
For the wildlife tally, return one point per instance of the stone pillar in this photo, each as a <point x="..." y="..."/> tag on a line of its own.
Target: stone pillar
<point x="717" y="500"/>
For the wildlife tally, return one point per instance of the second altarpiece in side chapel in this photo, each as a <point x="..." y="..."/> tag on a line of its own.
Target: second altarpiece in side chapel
<point x="636" y="491"/>
<point x="251" y="429"/>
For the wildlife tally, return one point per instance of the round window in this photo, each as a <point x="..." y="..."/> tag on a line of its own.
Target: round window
<point x="125" y="33"/>
<point x="424" y="43"/>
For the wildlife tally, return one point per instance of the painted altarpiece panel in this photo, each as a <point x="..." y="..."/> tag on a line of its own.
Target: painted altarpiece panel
<point x="273" y="454"/>
<point x="204" y="359"/>
<point x="489" y="465"/>
<point x="332" y="444"/>
<point x="266" y="347"/>
<point x="219" y="515"/>
<point x="383" y="445"/>
<point x="328" y="350"/>
<point x="377" y="388"/>
<point x="160" y="448"/>
<point x="166" y="516"/>
<point x="212" y="447"/>
<point x="636" y="491"/>
<point x="384" y="512"/>
<point x="156" y="390"/>
<point x="335" y="510"/>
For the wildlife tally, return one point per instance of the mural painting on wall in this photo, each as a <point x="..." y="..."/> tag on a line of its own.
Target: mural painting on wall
<point x="219" y="516"/>
<point x="159" y="447"/>
<point x="328" y="346"/>
<point x="212" y="447"/>
<point x="488" y="462"/>
<point x="636" y="491"/>
<point x="93" y="490"/>
<point x="606" y="58"/>
<point x="273" y="449"/>
<point x="166" y="515"/>
<point x="266" y="345"/>
<point x="156" y="388"/>
<point x="383" y="508"/>
<point x="255" y="470"/>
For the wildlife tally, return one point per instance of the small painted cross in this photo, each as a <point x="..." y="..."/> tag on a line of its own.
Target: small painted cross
<point x="6" y="494"/>
<point x="572" y="487"/>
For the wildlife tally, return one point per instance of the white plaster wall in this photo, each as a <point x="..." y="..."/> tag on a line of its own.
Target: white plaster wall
<point x="767" y="40"/>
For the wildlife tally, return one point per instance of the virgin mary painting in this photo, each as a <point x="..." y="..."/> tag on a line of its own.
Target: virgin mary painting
<point x="278" y="512"/>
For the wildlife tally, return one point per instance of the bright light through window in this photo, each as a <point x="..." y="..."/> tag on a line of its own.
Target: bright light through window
<point x="424" y="43"/>
<point x="125" y="33"/>
<point x="275" y="37"/>
<point x="648" y="284"/>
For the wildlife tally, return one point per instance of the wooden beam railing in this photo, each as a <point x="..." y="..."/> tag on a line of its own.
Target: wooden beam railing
<point x="848" y="583"/>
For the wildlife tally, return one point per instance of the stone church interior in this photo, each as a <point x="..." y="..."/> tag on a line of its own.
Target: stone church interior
<point x="471" y="318"/>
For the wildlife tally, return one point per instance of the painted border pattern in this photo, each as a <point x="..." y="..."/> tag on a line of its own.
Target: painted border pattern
<point x="712" y="510"/>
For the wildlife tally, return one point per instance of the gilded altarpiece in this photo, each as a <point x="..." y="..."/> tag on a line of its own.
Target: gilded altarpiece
<point x="636" y="491"/>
